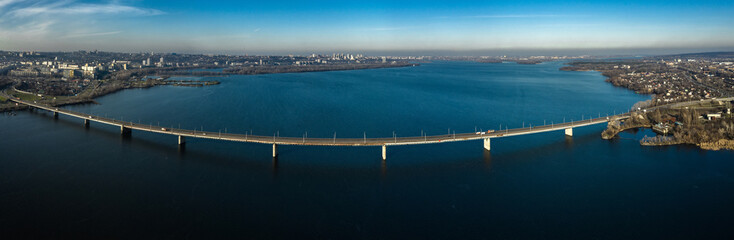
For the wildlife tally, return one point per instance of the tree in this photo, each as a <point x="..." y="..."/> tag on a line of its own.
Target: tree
<point x="656" y="116"/>
<point x="685" y="116"/>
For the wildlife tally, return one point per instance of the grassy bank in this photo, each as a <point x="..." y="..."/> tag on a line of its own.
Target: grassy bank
<point x="24" y="96"/>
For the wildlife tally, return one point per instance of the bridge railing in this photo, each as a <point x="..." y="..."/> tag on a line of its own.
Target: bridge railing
<point x="306" y="140"/>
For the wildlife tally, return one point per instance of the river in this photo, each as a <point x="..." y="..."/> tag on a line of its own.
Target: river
<point x="58" y="179"/>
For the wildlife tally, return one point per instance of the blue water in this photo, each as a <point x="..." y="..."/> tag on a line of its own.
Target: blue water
<point x="58" y="179"/>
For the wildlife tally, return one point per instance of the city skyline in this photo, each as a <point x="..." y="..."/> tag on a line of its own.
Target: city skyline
<point x="377" y="27"/>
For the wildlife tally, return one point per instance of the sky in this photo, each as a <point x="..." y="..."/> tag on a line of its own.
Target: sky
<point x="375" y="27"/>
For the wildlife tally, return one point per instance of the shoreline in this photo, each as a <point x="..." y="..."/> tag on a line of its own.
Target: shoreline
<point x="522" y="62"/>
<point x="615" y="127"/>
<point x="721" y="144"/>
<point x="112" y="86"/>
<point x="612" y="130"/>
<point x="686" y="127"/>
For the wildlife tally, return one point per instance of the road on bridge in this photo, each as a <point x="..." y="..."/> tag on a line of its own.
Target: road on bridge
<point x="325" y="141"/>
<point x="126" y="127"/>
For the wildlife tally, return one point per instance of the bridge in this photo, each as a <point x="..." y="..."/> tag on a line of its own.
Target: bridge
<point x="127" y="127"/>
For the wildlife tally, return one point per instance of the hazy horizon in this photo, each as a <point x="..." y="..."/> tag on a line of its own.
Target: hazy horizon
<point x="372" y="28"/>
<point x="439" y="53"/>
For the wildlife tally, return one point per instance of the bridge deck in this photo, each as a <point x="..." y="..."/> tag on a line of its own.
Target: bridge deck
<point x="326" y="141"/>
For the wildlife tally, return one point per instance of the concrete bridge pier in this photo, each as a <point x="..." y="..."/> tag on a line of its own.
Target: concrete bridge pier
<point x="384" y="152"/>
<point x="56" y="115"/>
<point x="181" y="140"/>
<point x="86" y="123"/>
<point x="275" y="150"/>
<point x="125" y="131"/>
<point x="569" y="132"/>
<point x="486" y="144"/>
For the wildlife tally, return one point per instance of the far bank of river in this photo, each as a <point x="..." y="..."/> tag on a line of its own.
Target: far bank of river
<point x="151" y="77"/>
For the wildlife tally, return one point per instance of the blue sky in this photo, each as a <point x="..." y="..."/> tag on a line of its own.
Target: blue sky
<point x="411" y="27"/>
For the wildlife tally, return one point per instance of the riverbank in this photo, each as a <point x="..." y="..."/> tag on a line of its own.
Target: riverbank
<point x="667" y="81"/>
<point x="190" y="83"/>
<point x="657" y="141"/>
<point x="721" y="144"/>
<point x="122" y="80"/>
<point x="526" y="62"/>
<point x="253" y="70"/>
<point x="710" y="128"/>
<point x="99" y="89"/>
<point x="718" y="145"/>
<point x="10" y="107"/>
<point x="167" y="72"/>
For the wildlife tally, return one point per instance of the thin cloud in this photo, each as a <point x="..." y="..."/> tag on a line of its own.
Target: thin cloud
<point x="69" y="8"/>
<point x="519" y="16"/>
<point x="387" y="29"/>
<point x="4" y="3"/>
<point x="79" y="35"/>
<point x="570" y="25"/>
<point x="36" y="29"/>
<point x="37" y="23"/>
<point x="513" y="16"/>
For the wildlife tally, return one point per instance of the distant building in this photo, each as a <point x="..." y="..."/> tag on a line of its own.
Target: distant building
<point x="69" y="73"/>
<point x="68" y="66"/>
<point x="24" y="73"/>
<point x="89" y="71"/>
<point x="713" y="116"/>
